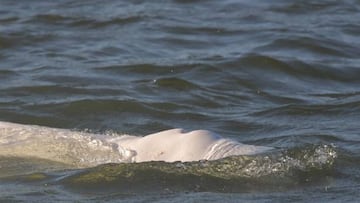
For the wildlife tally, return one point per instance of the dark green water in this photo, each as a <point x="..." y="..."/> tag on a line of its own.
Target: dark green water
<point x="283" y="74"/>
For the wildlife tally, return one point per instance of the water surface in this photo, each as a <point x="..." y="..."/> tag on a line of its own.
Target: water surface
<point x="283" y="74"/>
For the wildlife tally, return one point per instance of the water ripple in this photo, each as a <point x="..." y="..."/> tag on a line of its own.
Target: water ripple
<point x="54" y="19"/>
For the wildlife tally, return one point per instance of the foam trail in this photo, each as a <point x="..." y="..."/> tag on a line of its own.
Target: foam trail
<point x="82" y="149"/>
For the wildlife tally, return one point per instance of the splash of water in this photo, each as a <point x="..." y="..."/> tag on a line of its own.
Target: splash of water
<point x="74" y="148"/>
<point x="278" y="164"/>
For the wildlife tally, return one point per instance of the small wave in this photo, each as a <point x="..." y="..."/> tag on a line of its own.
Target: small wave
<point x="175" y="83"/>
<point x="16" y="39"/>
<point x="297" y="69"/>
<point x="199" y="30"/>
<point x="142" y="69"/>
<point x="49" y="18"/>
<point x="313" y="45"/>
<point x="342" y="95"/>
<point x="233" y="173"/>
<point x="183" y="42"/>
<point x="83" y="21"/>
<point x="103" y="106"/>
<point x="305" y="7"/>
<point x="8" y="20"/>
<point x="5" y="74"/>
<point x="308" y="110"/>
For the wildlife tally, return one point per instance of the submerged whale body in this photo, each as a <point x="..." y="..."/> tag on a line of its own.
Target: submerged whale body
<point x="83" y="149"/>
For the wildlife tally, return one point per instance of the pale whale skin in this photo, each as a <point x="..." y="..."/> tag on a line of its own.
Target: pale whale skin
<point x="178" y="145"/>
<point x="87" y="149"/>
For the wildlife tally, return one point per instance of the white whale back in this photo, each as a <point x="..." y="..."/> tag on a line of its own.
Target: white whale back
<point x="82" y="149"/>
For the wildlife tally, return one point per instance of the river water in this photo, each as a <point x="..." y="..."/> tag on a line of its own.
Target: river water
<point x="283" y="74"/>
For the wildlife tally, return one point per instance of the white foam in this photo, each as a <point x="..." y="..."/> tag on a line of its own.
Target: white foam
<point x="85" y="149"/>
<point x="78" y="149"/>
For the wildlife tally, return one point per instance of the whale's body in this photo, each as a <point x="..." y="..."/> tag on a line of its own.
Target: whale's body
<point x="86" y="149"/>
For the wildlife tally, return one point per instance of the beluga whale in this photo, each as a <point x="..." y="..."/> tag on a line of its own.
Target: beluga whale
<point x="83" y="149"/>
